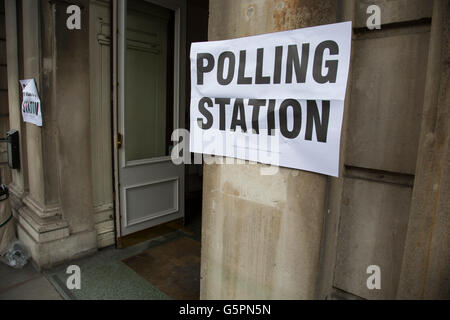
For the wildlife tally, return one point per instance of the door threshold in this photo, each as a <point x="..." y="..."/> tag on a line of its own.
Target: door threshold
<point x="149" y="233"/>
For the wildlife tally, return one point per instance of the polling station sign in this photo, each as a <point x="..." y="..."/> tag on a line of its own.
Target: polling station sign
<point x="31" y="103"/>
<point x="276" y="98"/>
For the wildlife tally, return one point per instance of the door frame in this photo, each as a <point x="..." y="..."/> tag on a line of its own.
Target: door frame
<point x="118" y="74"/>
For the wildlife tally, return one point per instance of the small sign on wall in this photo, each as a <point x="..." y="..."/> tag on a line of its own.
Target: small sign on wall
<point x="31" y="104"/>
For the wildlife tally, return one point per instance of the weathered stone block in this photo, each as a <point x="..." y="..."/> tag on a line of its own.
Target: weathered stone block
<point x="393" y="11"/>
<point x="372" y="231"/>
<point x="386" y="101"/>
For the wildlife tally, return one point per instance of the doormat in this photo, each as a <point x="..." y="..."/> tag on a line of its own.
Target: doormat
<point x="173" y="267"/>
<point x="105" y="277"/>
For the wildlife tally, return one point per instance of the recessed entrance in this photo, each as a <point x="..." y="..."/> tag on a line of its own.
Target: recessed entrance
<point x="156" y="205"/>
<point x="150" y="104"/>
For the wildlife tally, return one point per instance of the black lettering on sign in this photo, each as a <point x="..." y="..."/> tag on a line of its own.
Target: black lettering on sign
<point x="205" y="112"/>
<point x="314" y="120"/>
<point x="242" y="79"/>
<point x="293" y="61"/>
<point x="314" y="117"/>
<point x="259" y="78"/>
<point x="331" y="65"/>
<point x="31" y="107"/>
<point x="297" y="118"/>
<point x="201" y="68"/>
<point x="35" y="108"/>
<point x="257" y="104"/>
<point x="295" y="64"/>
<point x="271" y="117"/>
<point x="231" y="65"/>
<point x="222" y="102"/>
<point x="238" y="118"/>
<point x="277" y="68"/>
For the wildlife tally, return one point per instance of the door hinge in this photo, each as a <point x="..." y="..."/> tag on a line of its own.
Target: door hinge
<point x="119" y="140"/>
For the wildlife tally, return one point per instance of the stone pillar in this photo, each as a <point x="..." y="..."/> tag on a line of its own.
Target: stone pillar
<point x="72" y="114"/>
<point x="262" y="234"/>
<point x="18" y="187"/>
<point x="56" y="222"/>
<point x="425" y="272"/>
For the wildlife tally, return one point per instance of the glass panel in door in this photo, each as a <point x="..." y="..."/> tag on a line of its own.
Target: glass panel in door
<point x="148" y="110"/>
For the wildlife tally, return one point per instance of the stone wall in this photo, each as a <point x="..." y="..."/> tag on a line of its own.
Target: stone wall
<point x="5" y="173"/>
<point x="262" y="234"/>
<point x="299" y="235"/>
<point x="52" y="192"/>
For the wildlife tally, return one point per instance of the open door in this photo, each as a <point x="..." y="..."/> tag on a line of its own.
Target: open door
<point x="150" y="105"/>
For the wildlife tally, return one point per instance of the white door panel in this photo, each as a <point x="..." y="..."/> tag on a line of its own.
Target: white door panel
<point x="151" y="187"/>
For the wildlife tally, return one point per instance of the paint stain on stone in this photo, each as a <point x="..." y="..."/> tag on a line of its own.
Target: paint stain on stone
<point x="228" y="188"/>
<point x="293" y="14"/>
<point x="250" y="12"/>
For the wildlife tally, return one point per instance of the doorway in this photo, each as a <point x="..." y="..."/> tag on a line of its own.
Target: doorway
<point x="148" y="207"/>
<point x="150" y="105"/>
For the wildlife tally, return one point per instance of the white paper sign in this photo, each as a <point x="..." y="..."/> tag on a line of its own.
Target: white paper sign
<point x="31" y="104"/>
<point x="276" y="98"/>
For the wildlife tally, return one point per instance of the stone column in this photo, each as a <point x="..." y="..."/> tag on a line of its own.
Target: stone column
<point x="425" y="272"/>
<point x="56" y="222"/>
<point x="18" y="187"/>
<point x="262" y="234"/>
